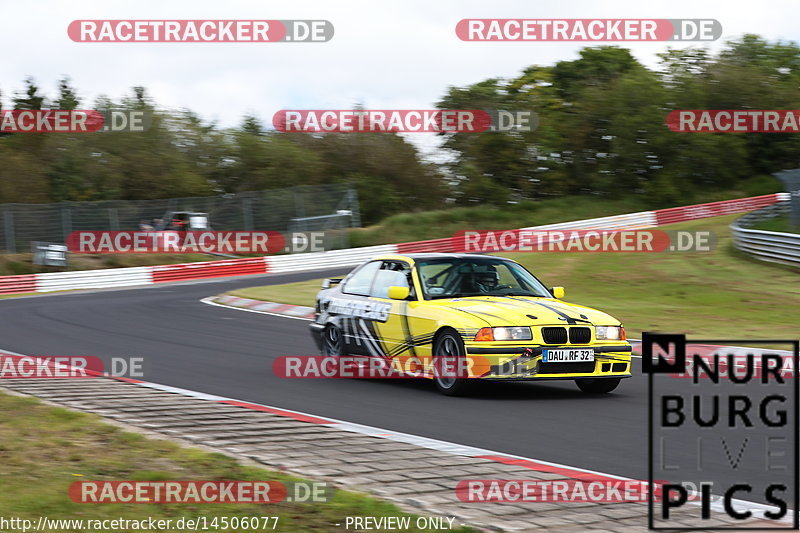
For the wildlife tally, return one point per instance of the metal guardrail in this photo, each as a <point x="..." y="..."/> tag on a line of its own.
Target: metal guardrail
<point x="641" y="220"/>
<point x="772" y="246"/>
<point x="93" y="279"/>
<point x="210" y="269"/>
<point x="329" y="259"/>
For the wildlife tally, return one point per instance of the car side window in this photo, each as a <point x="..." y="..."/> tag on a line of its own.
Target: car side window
<point x="434" y="276"/>
<point x="360" y="281"/>
<point x="391" y="273"/>
<point x="505" y="276"/>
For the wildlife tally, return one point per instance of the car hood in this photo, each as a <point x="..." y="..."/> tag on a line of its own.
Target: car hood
<point x="525" y="311"/>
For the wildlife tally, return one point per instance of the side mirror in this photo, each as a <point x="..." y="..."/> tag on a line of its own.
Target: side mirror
<point x="398" y="293"/>
<point x="330" y="282"/>
<point x="558" y="292"/>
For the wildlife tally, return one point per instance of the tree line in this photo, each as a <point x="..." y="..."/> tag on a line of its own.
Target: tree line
<point x="602" y="125"/>
<point x="601" y="131"/>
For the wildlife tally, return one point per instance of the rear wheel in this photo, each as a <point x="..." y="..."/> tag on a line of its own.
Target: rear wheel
<point x="450" y="345"/>
<point x="332" y="341"/>
<point x="598" y="386"/>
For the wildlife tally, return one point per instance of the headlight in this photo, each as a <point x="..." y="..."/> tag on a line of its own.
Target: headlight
<point x="609" y="333"/>
<point x="516" y="333"/>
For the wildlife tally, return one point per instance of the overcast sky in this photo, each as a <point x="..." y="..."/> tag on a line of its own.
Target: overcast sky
<point x="385" y="54"/>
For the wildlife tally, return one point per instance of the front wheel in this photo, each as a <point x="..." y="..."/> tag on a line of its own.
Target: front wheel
<point x="598" y="386"/>
<point x="451" y="346"/>
<point x="332" y="343"/>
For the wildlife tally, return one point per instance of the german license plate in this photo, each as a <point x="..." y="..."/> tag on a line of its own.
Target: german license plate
<point x="568" y="355"/>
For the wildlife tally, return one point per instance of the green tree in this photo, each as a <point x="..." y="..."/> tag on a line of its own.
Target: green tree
<point x="67" y="97"/>
<point x="30" y="97"/>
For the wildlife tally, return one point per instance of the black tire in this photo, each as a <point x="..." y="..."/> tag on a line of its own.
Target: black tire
<point x="598" y="386"/>
<point x="332" y="341"/>
<point x="450" y="344"/>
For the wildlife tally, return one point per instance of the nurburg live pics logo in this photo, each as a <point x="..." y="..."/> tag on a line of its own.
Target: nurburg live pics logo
<point x="726" y="439"/>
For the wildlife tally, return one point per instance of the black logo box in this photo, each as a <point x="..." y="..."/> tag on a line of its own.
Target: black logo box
<point x="678" y="365"/>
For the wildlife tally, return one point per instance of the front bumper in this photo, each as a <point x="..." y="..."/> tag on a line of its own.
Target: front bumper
<point x="525" y="362"/>
<point x="316" y="333"/>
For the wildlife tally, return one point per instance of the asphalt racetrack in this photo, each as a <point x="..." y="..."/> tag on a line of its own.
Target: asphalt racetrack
<point x="228" y="352"/>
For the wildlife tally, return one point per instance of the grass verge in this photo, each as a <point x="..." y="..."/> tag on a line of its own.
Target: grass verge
<point x="300" y="293"/>
<point x="723" y="293"/>
<point x="410" y="227"/>
<point x="44" y="449"/>
<point x="17" y="295"/>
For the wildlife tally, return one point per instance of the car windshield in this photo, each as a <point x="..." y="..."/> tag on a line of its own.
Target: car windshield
<point x="489" y="276"/>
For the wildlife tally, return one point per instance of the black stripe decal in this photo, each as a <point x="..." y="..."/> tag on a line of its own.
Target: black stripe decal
<point x="570" y="320"/>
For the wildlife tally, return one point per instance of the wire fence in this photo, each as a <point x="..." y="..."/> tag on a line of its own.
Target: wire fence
<point x="329" y="208"/>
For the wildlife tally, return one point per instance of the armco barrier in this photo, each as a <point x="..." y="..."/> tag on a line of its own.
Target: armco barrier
<point x="645" y="219"/>
<point x="331" y="259"/>
<point x="123" y="277"/>
<point x="17" y="284"/>
<point x="772" y="246"/>
<point x="715" y="209"/>
<point x="93" y="279"/>
<point x="641" y="220"/>
<point x="211" y="269"/>
<point x="444" y="245"/>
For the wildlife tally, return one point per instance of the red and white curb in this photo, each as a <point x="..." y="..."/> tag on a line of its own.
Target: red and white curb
<point x="301" y="312"/>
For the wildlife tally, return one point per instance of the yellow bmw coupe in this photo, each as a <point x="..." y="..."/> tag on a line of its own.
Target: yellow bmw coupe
<point x="489" y="311"/>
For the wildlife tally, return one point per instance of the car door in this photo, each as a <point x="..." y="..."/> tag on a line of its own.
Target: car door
<point x="433" y="278"/>
<point x="394" y="330"/>
<point x="356" y="313"/>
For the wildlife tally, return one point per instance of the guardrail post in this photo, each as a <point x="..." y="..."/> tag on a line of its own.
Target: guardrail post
<point x="247" y="213"/>
<point x="352" y="200"/>
<point x="113" y="218"/>
<point x="66" y="220"/>
<point x="8" y="223"/>
<point x="791" y="179"/>
<point x="299" y="205"/>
